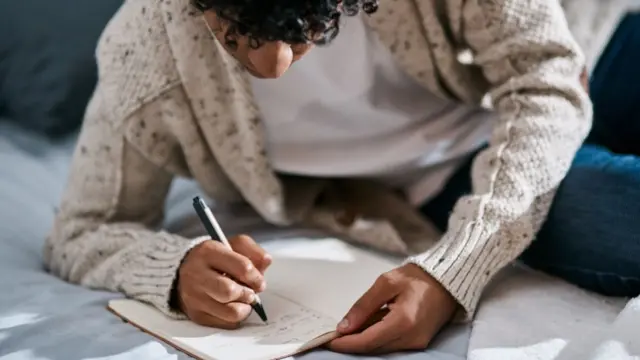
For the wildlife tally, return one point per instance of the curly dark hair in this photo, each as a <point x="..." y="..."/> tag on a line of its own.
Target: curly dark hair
<point x="290" y="21"/>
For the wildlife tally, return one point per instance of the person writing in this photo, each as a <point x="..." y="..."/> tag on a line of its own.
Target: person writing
<point x="357" y="117"/>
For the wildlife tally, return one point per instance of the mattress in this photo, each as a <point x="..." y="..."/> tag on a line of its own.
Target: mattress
<point x="42" y="317"/>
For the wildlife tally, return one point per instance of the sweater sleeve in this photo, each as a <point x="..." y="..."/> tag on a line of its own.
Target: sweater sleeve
<point x="533" y="65"/>
<point x="106" y="233"/>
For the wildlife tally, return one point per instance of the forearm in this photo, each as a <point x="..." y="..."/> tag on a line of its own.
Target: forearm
<point x="544" y="114"/>
<point x="105" y="235"/>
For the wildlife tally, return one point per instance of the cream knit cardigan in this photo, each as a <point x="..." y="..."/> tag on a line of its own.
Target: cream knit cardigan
<point x="170" y="102"/>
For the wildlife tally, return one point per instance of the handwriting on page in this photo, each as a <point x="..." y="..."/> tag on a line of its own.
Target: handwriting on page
<point x="290" y="326"/>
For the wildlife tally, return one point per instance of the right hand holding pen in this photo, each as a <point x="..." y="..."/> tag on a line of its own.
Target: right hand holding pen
<point x="210" y="298"/>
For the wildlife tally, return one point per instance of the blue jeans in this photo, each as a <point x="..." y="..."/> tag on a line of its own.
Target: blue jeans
<point x="592" y="234"/>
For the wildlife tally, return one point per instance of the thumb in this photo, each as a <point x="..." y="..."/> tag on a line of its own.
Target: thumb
<point x="369" y="304"/>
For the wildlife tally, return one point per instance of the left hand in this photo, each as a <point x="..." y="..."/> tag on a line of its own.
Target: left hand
<point x="417" y="308"/>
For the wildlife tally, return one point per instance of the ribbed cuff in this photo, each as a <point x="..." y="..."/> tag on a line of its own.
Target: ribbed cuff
<point x="463" y="261"/>
<point x="154" y="279"/>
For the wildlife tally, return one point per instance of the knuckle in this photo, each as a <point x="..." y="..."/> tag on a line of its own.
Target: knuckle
<point x="228" y="292"/>
<point x="239" y="242"/>
<point x="206" y="247"/>
<point x="243" y="238"/>
<point x="386" y="279"/>
<point x="237" y="313"/>
<point x="247" y="269"/>
<point x="251" y="275"/>
<point x="267" y="260"/>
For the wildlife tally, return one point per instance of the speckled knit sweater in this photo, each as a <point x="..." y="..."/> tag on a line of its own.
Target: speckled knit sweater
<point x="170" y="102"/>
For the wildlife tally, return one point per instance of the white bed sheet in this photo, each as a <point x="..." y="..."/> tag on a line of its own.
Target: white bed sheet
<point x="527" y="315"/>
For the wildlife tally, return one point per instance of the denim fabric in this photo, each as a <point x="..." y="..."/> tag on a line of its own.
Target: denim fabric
<point x="615" y="90"/>
<point x="592" y="235"/>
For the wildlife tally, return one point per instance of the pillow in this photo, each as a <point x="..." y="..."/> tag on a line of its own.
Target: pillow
<point x="47" y="61"/>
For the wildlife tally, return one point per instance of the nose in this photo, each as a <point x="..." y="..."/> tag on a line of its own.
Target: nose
<point x="272" y="59"/>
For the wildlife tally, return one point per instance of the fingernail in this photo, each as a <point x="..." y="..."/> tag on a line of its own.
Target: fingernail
<point x="344" y="324"/>
<point x="263" y="286"/>
<point x="267" y="257"/>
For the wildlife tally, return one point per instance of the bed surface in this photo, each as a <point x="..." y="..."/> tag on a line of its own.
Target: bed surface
<point x="42" y="317"/>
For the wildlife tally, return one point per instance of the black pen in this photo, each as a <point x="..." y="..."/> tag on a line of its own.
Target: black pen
<point x="215" y="232"/>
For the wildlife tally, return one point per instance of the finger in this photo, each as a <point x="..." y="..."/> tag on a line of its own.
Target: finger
<point x="231" y="313"/>
<point x="237" y="266"/>
<point x="205" y="319"/>
<point x="246" y="246"/>
<point x="209" y="299"/>
<point x="377" y="336"/>
<point x="224" y="290"/>
<point x="375" y="318"/>
<point x="402" y="343"/>
<point x="247" y="296"/>
<point x="379" y="294"/>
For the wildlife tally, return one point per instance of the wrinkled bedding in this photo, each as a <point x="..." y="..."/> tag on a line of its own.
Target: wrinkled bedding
<point x="42" y="317"/>
<point x="527" y="315"/>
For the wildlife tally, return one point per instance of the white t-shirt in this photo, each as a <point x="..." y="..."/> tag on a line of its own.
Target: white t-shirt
<point x="347" y="110"/>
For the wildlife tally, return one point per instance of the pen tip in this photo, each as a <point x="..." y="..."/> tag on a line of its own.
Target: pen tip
<point x="257" y="307"/>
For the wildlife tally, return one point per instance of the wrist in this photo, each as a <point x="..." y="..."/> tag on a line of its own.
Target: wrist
<point x="175" y="303"/>
<point x="446" y="299"/>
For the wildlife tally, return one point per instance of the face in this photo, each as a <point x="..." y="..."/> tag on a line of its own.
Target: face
<point x="269" y="61"/>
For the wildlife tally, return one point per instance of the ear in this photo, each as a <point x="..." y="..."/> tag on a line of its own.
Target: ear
<point x="212" y="21"/>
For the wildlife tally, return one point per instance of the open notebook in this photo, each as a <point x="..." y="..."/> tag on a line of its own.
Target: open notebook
<point x="311" y="286"/>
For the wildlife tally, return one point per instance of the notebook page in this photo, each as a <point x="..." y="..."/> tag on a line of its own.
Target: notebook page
<point x="326" y="275"/>
<point x="290" y="327"/>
